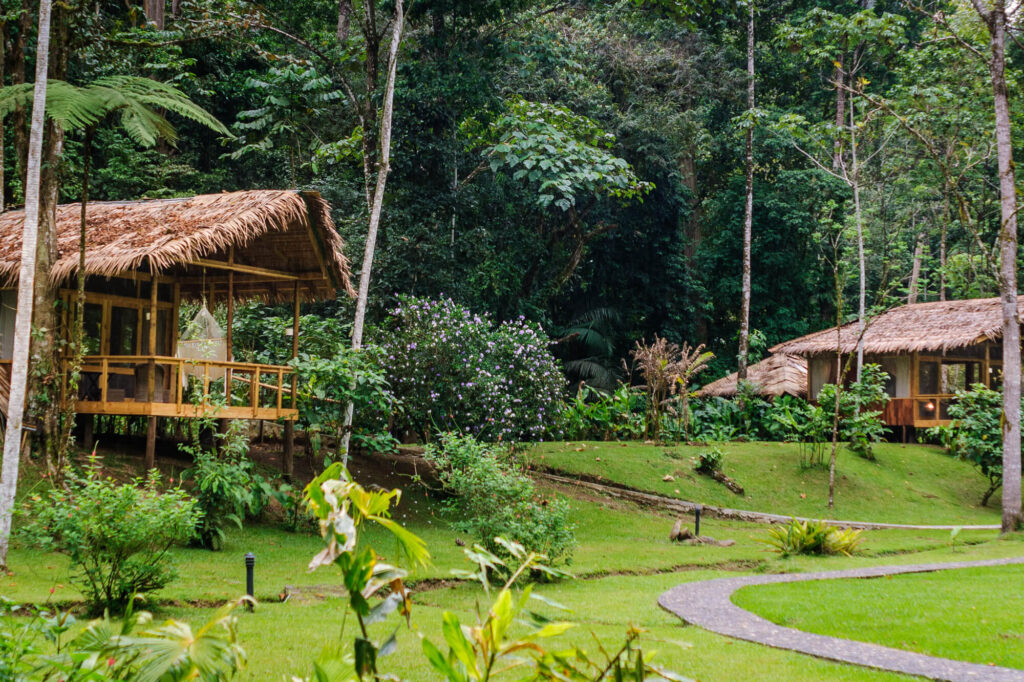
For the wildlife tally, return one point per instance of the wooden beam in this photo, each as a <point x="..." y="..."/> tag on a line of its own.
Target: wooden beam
<point x="244" y="269"/>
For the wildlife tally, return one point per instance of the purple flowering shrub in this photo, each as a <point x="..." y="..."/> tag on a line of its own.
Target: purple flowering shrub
<point x="456" y="371"/>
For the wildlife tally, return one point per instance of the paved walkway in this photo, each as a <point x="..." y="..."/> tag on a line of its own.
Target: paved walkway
<point x="685" y="506"/>
<point x="708" y="604"/>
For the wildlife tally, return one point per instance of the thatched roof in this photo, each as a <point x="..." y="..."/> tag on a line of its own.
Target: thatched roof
<point x="281" y="230"/>
<point x="936" y="326"/>
<point x="774" y="376"/>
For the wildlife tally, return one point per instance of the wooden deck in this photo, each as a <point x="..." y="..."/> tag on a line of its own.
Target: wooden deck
<point x="184" y="388"/>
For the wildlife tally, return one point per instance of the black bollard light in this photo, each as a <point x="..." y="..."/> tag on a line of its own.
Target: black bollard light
<point x="696" y="519"/>
<point x="250" y="564"/>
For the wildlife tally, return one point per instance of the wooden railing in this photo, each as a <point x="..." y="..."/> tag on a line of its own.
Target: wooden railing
<point x="181" y="387"/>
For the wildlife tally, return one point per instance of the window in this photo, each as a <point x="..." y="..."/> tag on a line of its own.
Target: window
<point x="928" y="377"/>
<point x="124" y="330"/>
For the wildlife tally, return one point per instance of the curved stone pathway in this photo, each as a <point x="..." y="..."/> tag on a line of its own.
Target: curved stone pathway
<point x="686" y="507"/>
<point x="708" y="604"/>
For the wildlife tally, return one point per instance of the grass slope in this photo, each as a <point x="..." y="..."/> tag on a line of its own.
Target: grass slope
<point x="970" y="614"/>
<point x="624" y="561"/>
<point x="908" y="484"/>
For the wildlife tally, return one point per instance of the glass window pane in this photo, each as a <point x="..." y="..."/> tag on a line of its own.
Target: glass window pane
<point x="927" y="409"/>
<point x="124" y="330"/>
<point x="928" y="378"/>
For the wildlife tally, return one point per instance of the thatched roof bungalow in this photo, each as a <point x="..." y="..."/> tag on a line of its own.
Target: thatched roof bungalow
<point x="143" y="258"/>
<point x="930" y="350"/>
<point x="776" y="375"/>
<point x="267" y="230"/>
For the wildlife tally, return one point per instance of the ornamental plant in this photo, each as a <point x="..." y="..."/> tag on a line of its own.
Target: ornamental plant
<point x="456" y="371"/>
<point x="117" y="535"/>
<point x="490" y="496"/>
<point x="975" y="434"/>
<point x="813" y="537"/>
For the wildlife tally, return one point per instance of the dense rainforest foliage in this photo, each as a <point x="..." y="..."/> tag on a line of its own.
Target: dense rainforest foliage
<point x="580" y="162"/>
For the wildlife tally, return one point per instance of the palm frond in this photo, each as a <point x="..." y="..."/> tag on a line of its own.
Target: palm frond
<point x="69" y="106"/>
<point x="591" y="371"/>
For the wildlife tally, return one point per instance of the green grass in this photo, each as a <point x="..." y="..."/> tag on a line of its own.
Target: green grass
<point x="966" y="614"/>
<point x="623" y="562"/>
<point x="908" y="484"/>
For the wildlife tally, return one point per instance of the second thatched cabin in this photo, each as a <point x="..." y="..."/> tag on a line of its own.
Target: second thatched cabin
<point x="775" y="376"/>
<point x="929" y="350"/>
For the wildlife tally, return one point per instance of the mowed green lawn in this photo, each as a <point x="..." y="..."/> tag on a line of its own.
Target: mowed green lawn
<point x="891" y="489"/>
<point x="970" y="614"/>
<point x="623" y="562"/>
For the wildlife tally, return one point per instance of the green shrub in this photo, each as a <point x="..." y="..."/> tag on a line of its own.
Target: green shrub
<point x="813" y="537"/>
<point x="225" y="484"/>
<point x="456" y="371"/>
<point x="709" y="461"/>
<point x="117" y="535"/>
<point x="490" y="497"/>
<point x="328" y="384"/>
<point x="859" y="425"/>
<point x="976" y="433"/>
<point x="596" y="415"/>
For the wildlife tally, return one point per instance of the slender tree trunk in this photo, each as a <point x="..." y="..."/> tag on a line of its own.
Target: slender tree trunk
<point x="996" y="22"/>
<point x="837" y="147"/>
<point x="19" y="124"/>
<point x="942" y="241"/>
<point x="383" y="167"/>
<point x="3" y="78"/>
<point x="915" y="270"/>
<point x="46" y="351"/>
<point x="748" y="213"/>
<point x="26" y="277"/>
<point x="344" y="20"/>
<point x="837" y="280"/>
<point x="862" y="292"/>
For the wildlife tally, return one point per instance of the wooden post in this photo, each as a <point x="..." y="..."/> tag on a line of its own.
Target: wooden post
<point x="289" y="426"/>
<point x="87" y="435"/>
<point x="222" y="424"/>
<point x="151" y="376"/>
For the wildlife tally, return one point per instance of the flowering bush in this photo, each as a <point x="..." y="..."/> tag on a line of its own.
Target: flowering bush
<point x="453" y="370"/>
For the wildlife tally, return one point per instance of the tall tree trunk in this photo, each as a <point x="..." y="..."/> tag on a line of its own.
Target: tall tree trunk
<point x="915" y="270"/>
<point x="837" y="147"/>
<point x="862" y="292"/>
<point x="26" y="277"/>
<point x="942" y="242"/>
<point x="46" y="351"/>
<point x="838" y="283"/>
<point x="748" y="212"/>
<point x="995" y="19"/>
<point x="154" y="10"/>
<point x="344" y="20"/>
<point x="383" y="167"/>
<point x="19" y="123"/>
<point x="3" y="78"/>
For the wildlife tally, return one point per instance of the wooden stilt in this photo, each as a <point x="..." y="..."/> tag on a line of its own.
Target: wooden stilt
<point x="151" y="444"/>
<point x="289" y="450"/>
<point x="87" y="435"/>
